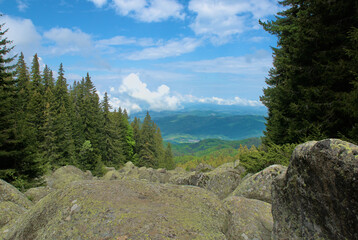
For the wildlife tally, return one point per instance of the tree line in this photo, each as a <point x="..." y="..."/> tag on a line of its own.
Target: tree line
<point x="45" y="124"/>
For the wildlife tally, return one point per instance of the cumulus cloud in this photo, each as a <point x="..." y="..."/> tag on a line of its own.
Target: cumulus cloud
<point x="158" y="100"/>
<point x="65" y="40"/>
<point x="149" y="10"/>
<point x="220" y="19"/>
<point x="24" y="35"/>
<point x="98" y="3"/>
<point x="168" y="49"/>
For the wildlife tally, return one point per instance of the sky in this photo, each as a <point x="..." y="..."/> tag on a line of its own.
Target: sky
<point x="150" y="54"/>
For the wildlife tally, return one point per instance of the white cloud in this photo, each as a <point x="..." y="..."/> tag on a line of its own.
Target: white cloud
<point x="220" y="19"/>
<point x="129" y="106"/>
<point x="98" y="3"/>
<point x="149" y="10"/>
<point x="253" y="64"/>
<point x="24" y="35"/>
<point x="122" y="40"/>
<point x="158" y="100"/>
<point x="21" y="5"/>
<point x="169" y="49"/>
<point x="220" y="101"/>
<point x="69" y="41"/>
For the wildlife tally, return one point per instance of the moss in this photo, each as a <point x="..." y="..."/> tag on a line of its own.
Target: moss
<point x="132" y="208"/>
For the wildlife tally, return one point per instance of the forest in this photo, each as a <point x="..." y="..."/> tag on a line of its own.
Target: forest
<point x="46" y="124"/>
<point x="311" y="94"/>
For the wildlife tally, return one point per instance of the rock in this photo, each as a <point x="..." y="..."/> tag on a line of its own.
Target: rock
<point x="64" y="175"/>
<point x="9" y="193"/>
<point x="259" y="185"/>
<point x="249" y="219"/>
<point x="9" y="211"/>
<point x="202" y="167"/>
<point x="317" y="198"/>
<point x="123" y="209"/>
<point x="112" y="175"/>
<point x="222" y="180"/>
<point x="35" y="194"/>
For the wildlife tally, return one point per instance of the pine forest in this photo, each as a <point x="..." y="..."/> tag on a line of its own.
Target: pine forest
<point x="46" y="124"/>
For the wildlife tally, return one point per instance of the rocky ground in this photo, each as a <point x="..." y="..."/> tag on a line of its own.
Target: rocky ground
<point x="314" y="198"/>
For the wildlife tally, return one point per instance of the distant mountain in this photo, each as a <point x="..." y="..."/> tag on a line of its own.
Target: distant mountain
<point x="188" y="127"/>
<point x="208" y="121"/>
<point x="208" y="146"/>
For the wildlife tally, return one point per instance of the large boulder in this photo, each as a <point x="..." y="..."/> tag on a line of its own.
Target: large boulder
<point x="222" y="180"/>
<point x="37" y="193"/>
<point x="318" y="196"/>
<point x="9" y="193"/>
<point x="249" y="219"/>
<point x="259" y="185"/>
<point x="123" y="209"/>
<point x="9" y="211"/>
<point x="112" y="175"/>
<point x="64" y="175"/>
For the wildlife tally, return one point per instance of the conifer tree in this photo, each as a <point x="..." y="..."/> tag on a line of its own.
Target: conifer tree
<point x="312" y="71"/>
<point x="112" y="153"/>
<point x="18" y="164"/>
<point x="168" y="158"/>
<point x="147" y="144"/>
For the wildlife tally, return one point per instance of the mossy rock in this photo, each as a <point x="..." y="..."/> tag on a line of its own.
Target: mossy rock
<point x="123" y="209"/>
<point x="259" y="185"/>
<point x="249" y="219"/>
<point x="36" y="194"/>
<point x="221" y="181"/>
<point x="317" y="198"/>
<point x="112" y="175"/>
<point x="9" y="211"/>
<point x="11" y="194"/>
<point x="67" y="174"/>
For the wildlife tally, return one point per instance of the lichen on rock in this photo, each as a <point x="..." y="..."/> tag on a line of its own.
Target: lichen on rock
<point x="317" y="198"/>
<point x="258" y="186"/>
<point x="133" y="209"/>
<point x="248" y="219"/>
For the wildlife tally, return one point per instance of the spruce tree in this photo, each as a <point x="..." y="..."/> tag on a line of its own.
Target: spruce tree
<point x="147" y="144"/>
<point x="112" y="153"/>
<point x="312" y="71"/>
<point x="168" y="161"/>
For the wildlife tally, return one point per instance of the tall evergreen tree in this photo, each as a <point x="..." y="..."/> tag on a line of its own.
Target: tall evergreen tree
<point x="18" y="164"/>
<point x="112" y="153"/>
<point x="147" y="144"/>
<point x="168" y="160"/>
<point x="312" y="71"/>
<point x="62" y="126"/>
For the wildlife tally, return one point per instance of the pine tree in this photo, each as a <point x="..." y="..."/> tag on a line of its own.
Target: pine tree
<point x="147" y="144"/>
<point x="62" y="126"/>
<point x="168" y="158"/>
<point x="18" y="163"/>
<point x="135" y="124"/>
<point x="112" y="153"/>
<point x="312" y="71"/>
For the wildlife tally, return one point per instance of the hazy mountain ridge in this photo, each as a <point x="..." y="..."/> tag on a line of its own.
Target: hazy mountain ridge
<point x="207" y="121"/>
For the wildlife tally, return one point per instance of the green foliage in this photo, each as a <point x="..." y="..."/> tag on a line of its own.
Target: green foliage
<point x="314" y="72"/>
<point x="253" y="159"/>
<point x="207" y="146"/>
<point x="45" y="125"/>
<point x="256" y="159"/>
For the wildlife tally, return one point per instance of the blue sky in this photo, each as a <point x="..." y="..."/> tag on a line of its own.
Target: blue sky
<point x="151" y="54"/>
